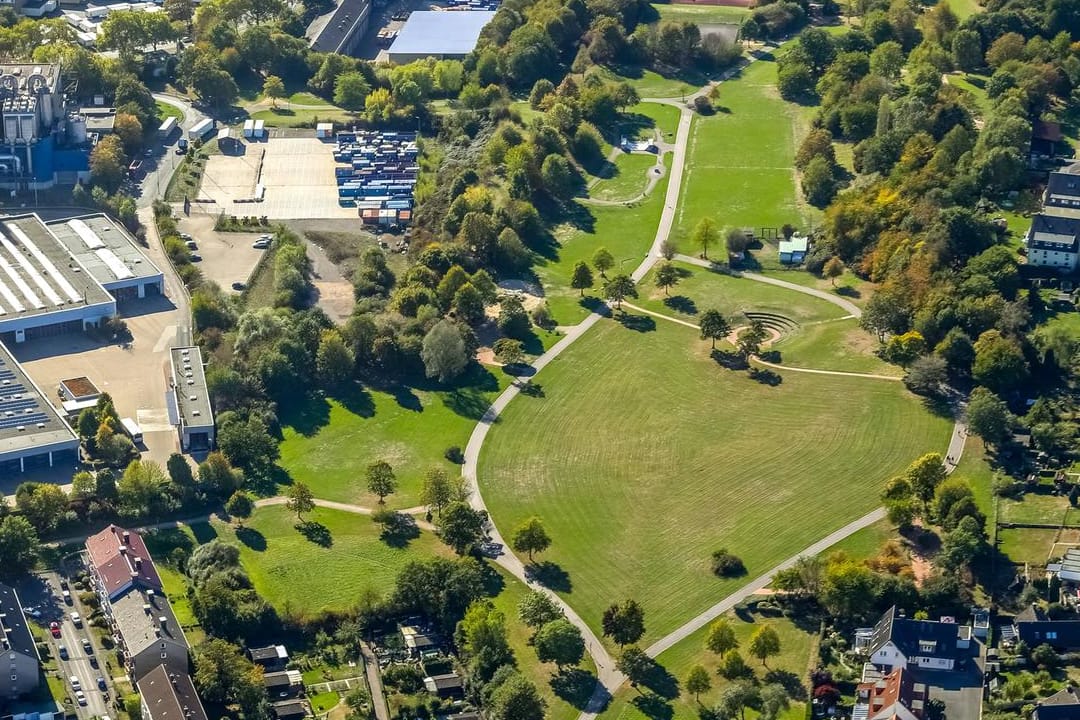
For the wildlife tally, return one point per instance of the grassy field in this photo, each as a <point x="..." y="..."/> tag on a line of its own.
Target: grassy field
<point x="306" y="98"/>
<point x="974" y="85"/>
<point x="286" y="567"/>
<point x="329" y="444"/>
<point x="507" y="602"/>
<point x="1038" y="509"/>
<point x="965" y="8"/>
<point x="1026" y="545"/>
<point x="796" y="646"/>
<point x="867" y="542"/>
<point x="628" y="181"/>
<point x="848" y="286"/>
<point x="711" y="14"/>
<point x="647" y="116"/>
<point x="701" y="289"/>
<point x="664" y="459"/>
<point x="287" y="117"/>
<point x="840" y="345"/>
<point x="165" y="110"/>
<point x="744" y="155"/>
<point x="626" y="232"/>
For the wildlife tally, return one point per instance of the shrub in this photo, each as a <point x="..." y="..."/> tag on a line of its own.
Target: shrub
<point x="726" y="564"/>
<point x="703" y="105"/>
<point x="454" y="455"/>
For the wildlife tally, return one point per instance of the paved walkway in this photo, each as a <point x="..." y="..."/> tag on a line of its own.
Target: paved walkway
<point x="374" y="679"/>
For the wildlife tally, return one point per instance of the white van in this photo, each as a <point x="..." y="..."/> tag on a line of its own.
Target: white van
<point x="132" y="429"/>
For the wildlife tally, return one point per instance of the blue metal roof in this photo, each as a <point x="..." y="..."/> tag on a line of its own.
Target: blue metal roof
<point x="441" y="33"/>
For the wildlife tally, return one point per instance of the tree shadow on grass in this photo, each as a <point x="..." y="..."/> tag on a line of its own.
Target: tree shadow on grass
<point x="575" y="686"/>
<point x="251" y="538"/>
<point x="519" y="370"/>
<point x="848" y="292"/>
<point x="766" y="376"/>
<point x="595" y="305"/>
<point x="728" y="359"/>
<point x="535" y="390"/>
<point x="307" y="416"/>
<point x="653" y="706"/>
<point x="204" y="532"/>
<point x="637" y="323"/>
<point x="316" y="532"/>
<point x="661" y="682"/>
<point x="938" y="405"/>
<point x="356" y="400"/>
<point x="399" y="530"/>
<point x="681" y="303"/>
<point x="550" y="575"/>
<point x="789" y="681"/>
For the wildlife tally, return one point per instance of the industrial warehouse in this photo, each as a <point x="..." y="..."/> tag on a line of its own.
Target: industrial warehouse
<point x="58" y="277"/>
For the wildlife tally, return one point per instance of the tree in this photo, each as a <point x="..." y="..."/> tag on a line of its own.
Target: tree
<point x="927" y="375"/>
<point x="624" y="622"/>
<point x="557" y="176"/>
<point x="42" y="504"/>
<point x="130" y="131"/>
<point x="704" y="235"/>
<point x="634" y="664"/>
<point x="530" y="537"/>
<point x="247" y="444"/>
<point x="179" y="10"/>
<point x="697" y="682"/>
<point x="443" y="352"/>
<point x="925" y="474"/>
<point x="436" y="492"/>
<point x="834" y="268"/>
<point x="819" y="182"/>
<point x="468" y="304"/>
<point x="1045" y="657"/>
<point x="240" y="504"/>
<point x="988" y="416"/>
<point x="559" y="642"/>
<point x="764" y="643"/>
<point x="750" y="339"/>
<point x="461" y="527"/>
<point x="967" y="50"/>
<point x="721" y="637"/>
<point x="508" y="351"/>
<point x="301" y="500"/>
<point x="513" y="321"/>
<point x="108" y="163"/>
<point x="603" y="261"/>
<point x="667" y="276"/>
<point x="774" y="701"/>
<point x="516" y="699"/>
<point x="351" y="91"/>
<point x="537" y="609"/>
<point x="714" y="326"/>
<point x="216" y="476"/>
<point x="381" y="480"/>
<point x="481" y="635"/>
<point x="273" y="88"/>
<point x="582" y="279"/>
<point x="18" y="546"/>
<point x="619" y="288"/>
<point x="999" y="362"/>
<point x="736" y="697"/>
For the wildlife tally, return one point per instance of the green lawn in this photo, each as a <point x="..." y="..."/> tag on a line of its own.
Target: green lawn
<point x="541" y="674"/>
<point x="840" y="345"/>
<point x="974" y="85"/>
<point x="1026" y="545"/>
<point x="712" y="14"/>
<point x="701" y="289"/>
<point x="324" y="702"/>
<point x="651" y="84"/>
<point x="306" y="98"/>
<point x="848" y="286"/>
<point x="964" y="8"/>
<point x="628" y="180"/>
<point x="287" y="568"/>
<point x="165" y="110"/>
<point x="642" y="455"/>
<point x="1038" y="509"/>
<point x="329" y="445"/>
<point x="647" y="116"/>
<point x="865" y="543"/>
<point x="627" y="233"/>
<point x="796" y="645"/>
<point x="287" y="117"/>
<point x="740" y="161"/>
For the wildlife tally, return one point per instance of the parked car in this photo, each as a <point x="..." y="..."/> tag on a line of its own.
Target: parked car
<point x="196" y="257"/>
<point x="63" y="584"/>
<point x="76" y="619"/>
<point x="101" y="683"/>
<point x="32" y="612"/>
<point x="261" y="244"/>
<point x="66" y="594"/>
<point x="80" y="697"/>
<point x="87" y="646"/>
<point x="75" y="685"/>
<point x="238" y="285"/>
<point x="62" y="652"/>
<point x="185" y="236"/>
<point x="191" y="245"/>
<point x="93" y="661"/>
<point x="54" y="628"/>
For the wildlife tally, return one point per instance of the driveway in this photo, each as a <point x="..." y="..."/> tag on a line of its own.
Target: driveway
<point x="961" y="690"/>
<point x="227" y="257"/>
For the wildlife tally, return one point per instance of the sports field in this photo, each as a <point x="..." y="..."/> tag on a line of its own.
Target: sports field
<point x="642" y="455"/>
<point x="740" y="161"/>
<point x="330" y="444"/>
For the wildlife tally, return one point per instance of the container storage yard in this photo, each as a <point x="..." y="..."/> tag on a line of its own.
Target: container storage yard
<point x="377" y="174"/>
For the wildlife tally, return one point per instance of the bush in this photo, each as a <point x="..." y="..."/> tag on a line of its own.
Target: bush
<point x="454" y="455"/>
<point x="726" y="564"/>
<point x="703" y="105"/>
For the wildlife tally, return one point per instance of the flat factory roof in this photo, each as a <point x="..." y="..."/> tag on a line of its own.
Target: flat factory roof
<point x="104" y="249"/>
<point x="440" y="33"/>
<point x="38" y="275"/>
<point x="23" y="405"/>
<point x="189" y="383"/>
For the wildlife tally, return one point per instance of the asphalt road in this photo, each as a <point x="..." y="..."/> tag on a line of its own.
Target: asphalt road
<point x="49" y="602"/>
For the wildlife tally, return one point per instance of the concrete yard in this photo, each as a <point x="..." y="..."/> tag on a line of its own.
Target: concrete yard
<point x="227" y="257"/>
<point x="298" y="174"/>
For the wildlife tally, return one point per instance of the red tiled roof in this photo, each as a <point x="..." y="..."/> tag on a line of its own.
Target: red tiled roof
<point x="896" y="687"/>
<point x="119" y="560"/>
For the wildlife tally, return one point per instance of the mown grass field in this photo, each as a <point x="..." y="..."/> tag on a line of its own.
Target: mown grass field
<point x="796" y="645"/>
<point x="329" y="444"/>
<point x="165" y="110"/>
<point x="700" y="289"/>
<point x="1038" y="509"/>
<point x="974" y="85"/>
<point x="965" y="8"/>
<point x="628" y="180"/>
<point x="840" y="345"/>
<point x="642" y="455"/>
<point x="740" y="160"/>
<point x="647" y="116"/>
<point x="1026" y="545"/>
<point x="710" y="14"/>
<point x="283" y="116"/>
<point x="865" y="543"/>
<point x="286" y="567"/>
<point x="627" y="233"/>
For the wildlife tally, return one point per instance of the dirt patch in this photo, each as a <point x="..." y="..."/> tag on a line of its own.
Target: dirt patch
<point x="733" y="337"/>
<point x="486" y="356"/>
<point x="921" y="569"/>
<point x="333" y="292"/>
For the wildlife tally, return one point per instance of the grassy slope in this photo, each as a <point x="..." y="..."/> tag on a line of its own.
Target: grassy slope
<point x="626" y="233"/>
<point x="740" y="160"/>
<point x="628" y="180"/>
<point x="641" y="469"/>
<point x="702" y="13"/>
<point x="840" y="345"/>
<point x="795" y="647"/>
<point x="655" y="115"/>
<point x="329" y="446"/>
<point x="165" y="110"/>
<point x="286" y="567"/>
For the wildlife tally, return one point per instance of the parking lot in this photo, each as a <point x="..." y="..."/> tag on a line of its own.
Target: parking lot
<point x="227" y="258"/>
<point x="297" y="173"/>
<point x="42" y="596"/>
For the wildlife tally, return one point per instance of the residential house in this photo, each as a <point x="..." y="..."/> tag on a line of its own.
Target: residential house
<point x="1045" y="140"/>
<point x="271" y="657"/>
<point x="897" y="641"/>
<point x="895" y="696"/>
<point x="1053" y="242"/>
<point x="132" y="600"/>
<point x="1035" y="628"/>
<point x="167" y="695"/>
<point x="981" y="622"/>
<point x="290" y="709"/>
<point x="17" y="644"/>
<point x="793" y="250"/>
<point x="448" y="685"/>
<point x="417" y="640"/>
<point x="283" y="684"/>
<point x="1062" y="192"/>
<point x="1062" y="705"/>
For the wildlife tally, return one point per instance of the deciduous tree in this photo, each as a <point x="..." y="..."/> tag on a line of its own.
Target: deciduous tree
<point x="624" y="622"/>
<point x="301" y="500"/>
<point x="381" y="480"/>
<point x="697" y="682"/>
<point x="667" y="276"/>
<point x="19" y="546"/>
<point x="619" y="288"/>
<point x="530" y="537"/>
<point x="714" y="326"/>
<point x="273" y="88"/>
<point x="764" y="643"/>
<point x="582" y="279"/>
<point x="559" y="642"/>
<point x="603" y="261"/>
<point x="461" y="527"/>
<point x="704" y="235"/>
<point x="721" y="637"/>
